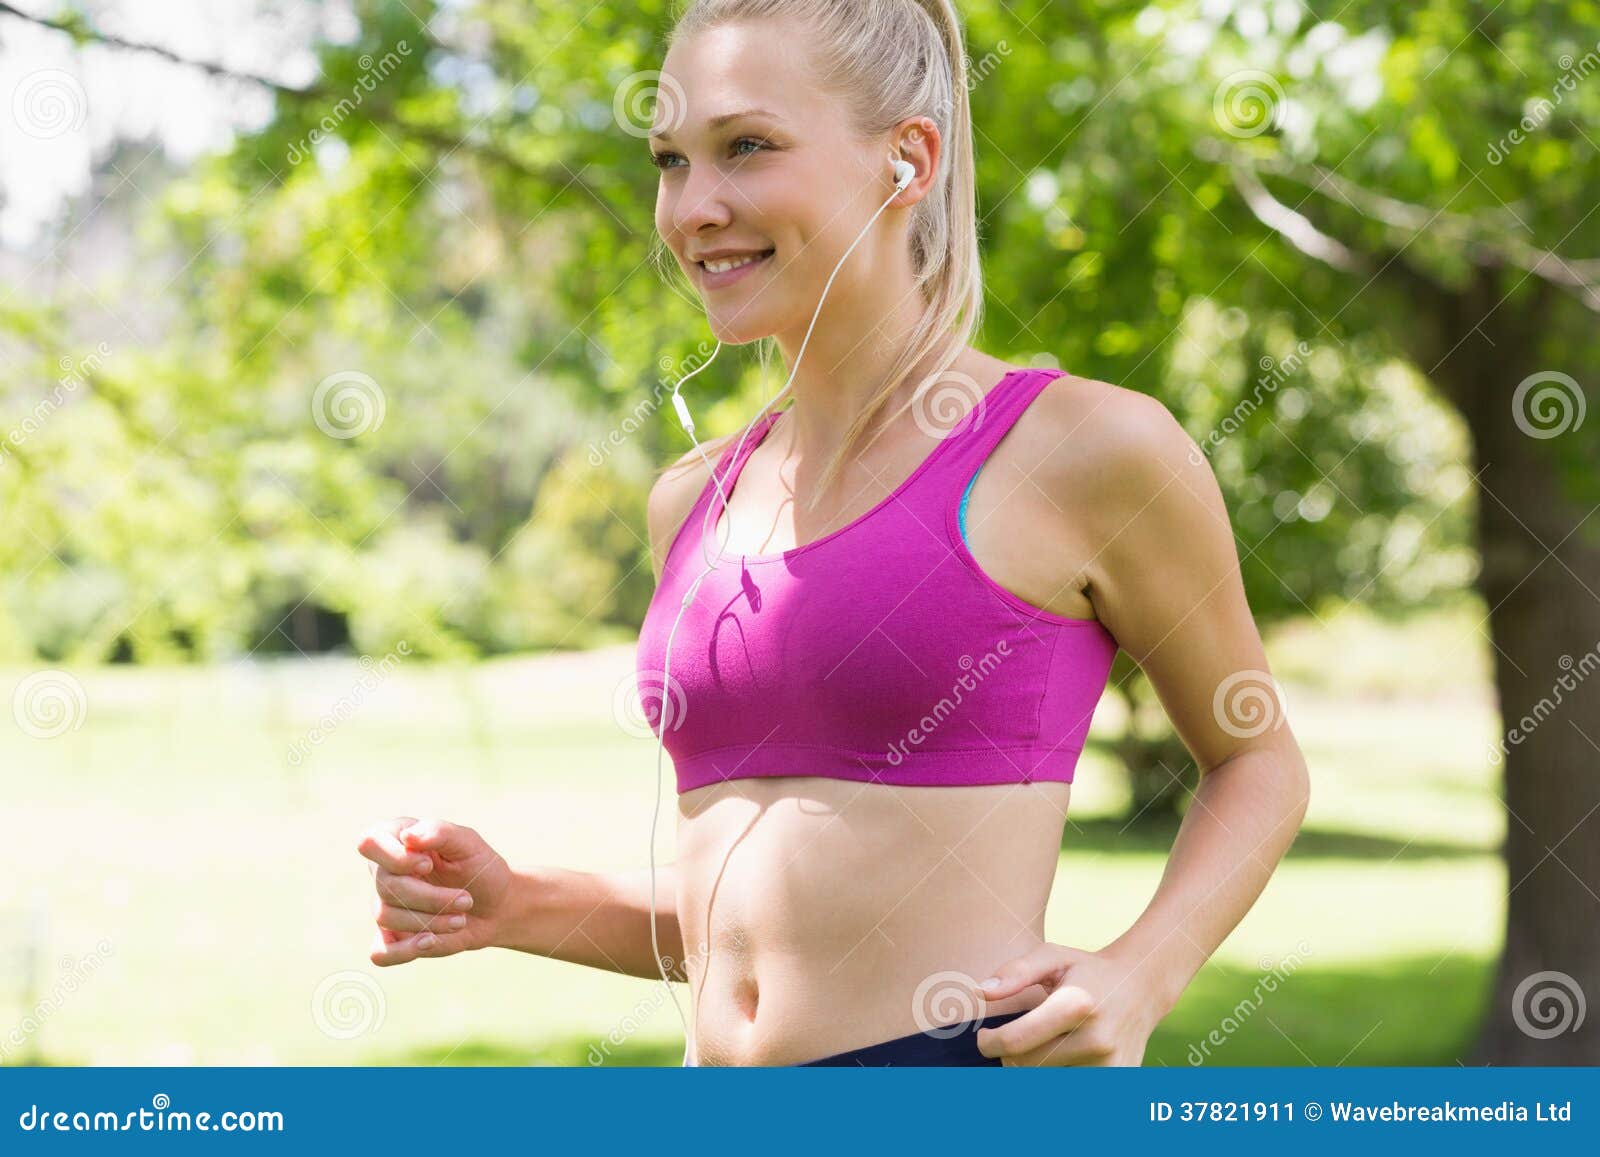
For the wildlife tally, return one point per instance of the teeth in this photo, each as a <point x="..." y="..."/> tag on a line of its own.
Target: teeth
<point x="723" y="265"/>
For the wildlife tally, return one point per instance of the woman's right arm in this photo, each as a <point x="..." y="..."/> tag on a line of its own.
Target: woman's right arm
<point x="601" y="919"/>
<point x="441" y="889"/>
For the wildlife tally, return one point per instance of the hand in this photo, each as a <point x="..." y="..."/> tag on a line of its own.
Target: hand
<point x="1100" y="1010"/>
<point x="440" y="889"/>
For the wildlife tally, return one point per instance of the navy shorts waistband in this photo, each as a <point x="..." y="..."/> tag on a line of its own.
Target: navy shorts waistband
<point x="945" y="1045"/>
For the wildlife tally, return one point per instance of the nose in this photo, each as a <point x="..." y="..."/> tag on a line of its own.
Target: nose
<point x="702" y="201"/>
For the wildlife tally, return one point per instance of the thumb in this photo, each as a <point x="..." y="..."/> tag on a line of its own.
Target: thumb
<point x="1043" y="965"/>
<point x="450" y="841"/>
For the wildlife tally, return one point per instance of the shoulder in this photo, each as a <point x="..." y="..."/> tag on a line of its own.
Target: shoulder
<point x="1137" y="489"/>
<point x="1124" y="473"/>
<point x="1119" y="445"/>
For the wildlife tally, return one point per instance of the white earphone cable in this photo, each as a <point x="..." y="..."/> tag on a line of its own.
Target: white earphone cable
<point x="904" y="171"/>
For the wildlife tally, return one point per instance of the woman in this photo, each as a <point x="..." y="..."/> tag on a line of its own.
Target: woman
<point x="878" y="694"/>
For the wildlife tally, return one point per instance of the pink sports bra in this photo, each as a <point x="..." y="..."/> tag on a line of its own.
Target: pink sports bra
<point x="880" y="652"/>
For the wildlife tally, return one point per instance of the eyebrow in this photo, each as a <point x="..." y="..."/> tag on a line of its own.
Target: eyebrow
<point x="717" y="122"/>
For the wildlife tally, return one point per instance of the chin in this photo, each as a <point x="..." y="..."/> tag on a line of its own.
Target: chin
<point x="739" y="331"/>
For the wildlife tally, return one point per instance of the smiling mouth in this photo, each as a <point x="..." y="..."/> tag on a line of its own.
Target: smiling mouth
<point x="752" y="259"/>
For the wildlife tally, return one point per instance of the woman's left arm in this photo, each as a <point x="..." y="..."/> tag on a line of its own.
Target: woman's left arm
<point x="1165" y="581"/>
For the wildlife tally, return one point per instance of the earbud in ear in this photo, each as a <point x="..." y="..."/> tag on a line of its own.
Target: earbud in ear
<point x="903" y="172"/>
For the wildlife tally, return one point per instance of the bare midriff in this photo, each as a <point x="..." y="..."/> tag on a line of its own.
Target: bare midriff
<point x="820" y="915"/>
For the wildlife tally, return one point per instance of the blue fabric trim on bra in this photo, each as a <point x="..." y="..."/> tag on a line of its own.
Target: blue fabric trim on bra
<point x="961" y="514"/>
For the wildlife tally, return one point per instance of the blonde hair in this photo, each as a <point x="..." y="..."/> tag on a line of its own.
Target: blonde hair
<point x="890" y="61"/>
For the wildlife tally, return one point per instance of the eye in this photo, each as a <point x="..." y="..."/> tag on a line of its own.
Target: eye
<point x="662" y="159"/>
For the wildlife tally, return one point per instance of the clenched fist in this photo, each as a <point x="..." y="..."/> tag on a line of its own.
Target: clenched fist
<point x="440" y="889"/>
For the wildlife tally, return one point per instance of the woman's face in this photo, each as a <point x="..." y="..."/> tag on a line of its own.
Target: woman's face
<point x="790" y="186"/>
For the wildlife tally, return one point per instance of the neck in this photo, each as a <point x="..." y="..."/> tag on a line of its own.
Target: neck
<point x="864" y="325"/>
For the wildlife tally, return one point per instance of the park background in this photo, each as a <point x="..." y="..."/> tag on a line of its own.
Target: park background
<point x="333" y="365"/>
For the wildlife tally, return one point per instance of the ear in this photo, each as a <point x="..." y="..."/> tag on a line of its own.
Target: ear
<point x="918" y="141"/>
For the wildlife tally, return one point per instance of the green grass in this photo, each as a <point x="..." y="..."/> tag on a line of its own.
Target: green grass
<point x="226" y="885"/>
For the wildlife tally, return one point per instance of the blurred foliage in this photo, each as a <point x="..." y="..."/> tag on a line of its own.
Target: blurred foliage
<point x="471" y="233"/>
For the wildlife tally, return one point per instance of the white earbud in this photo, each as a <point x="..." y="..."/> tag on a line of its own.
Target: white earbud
<point x="904" y="171"/>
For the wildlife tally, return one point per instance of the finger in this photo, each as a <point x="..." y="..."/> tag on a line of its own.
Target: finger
<point x="1073" y="1049"/>
<point x="406" y="920"/>
<point x="419" y="895"/>
<point x="1043" y="965"/>
<point x="382" y="845"/>
<point x="449" y="841"/>
<point x="1062" y="1012"/>
<point x="413" y="946"/>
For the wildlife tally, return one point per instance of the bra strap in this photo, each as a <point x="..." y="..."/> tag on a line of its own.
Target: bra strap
<point x="981" y="430"/>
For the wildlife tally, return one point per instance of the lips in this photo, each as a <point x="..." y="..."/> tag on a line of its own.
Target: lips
<point x="741" y="255"/>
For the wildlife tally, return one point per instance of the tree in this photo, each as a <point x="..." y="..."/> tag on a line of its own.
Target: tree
<point x="1309" y="228"/>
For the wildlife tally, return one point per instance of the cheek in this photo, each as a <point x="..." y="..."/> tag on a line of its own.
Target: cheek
<point x="663" y="216"/>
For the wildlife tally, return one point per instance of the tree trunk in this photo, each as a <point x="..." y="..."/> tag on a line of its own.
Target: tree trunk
<point x="1540" y="579"/>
